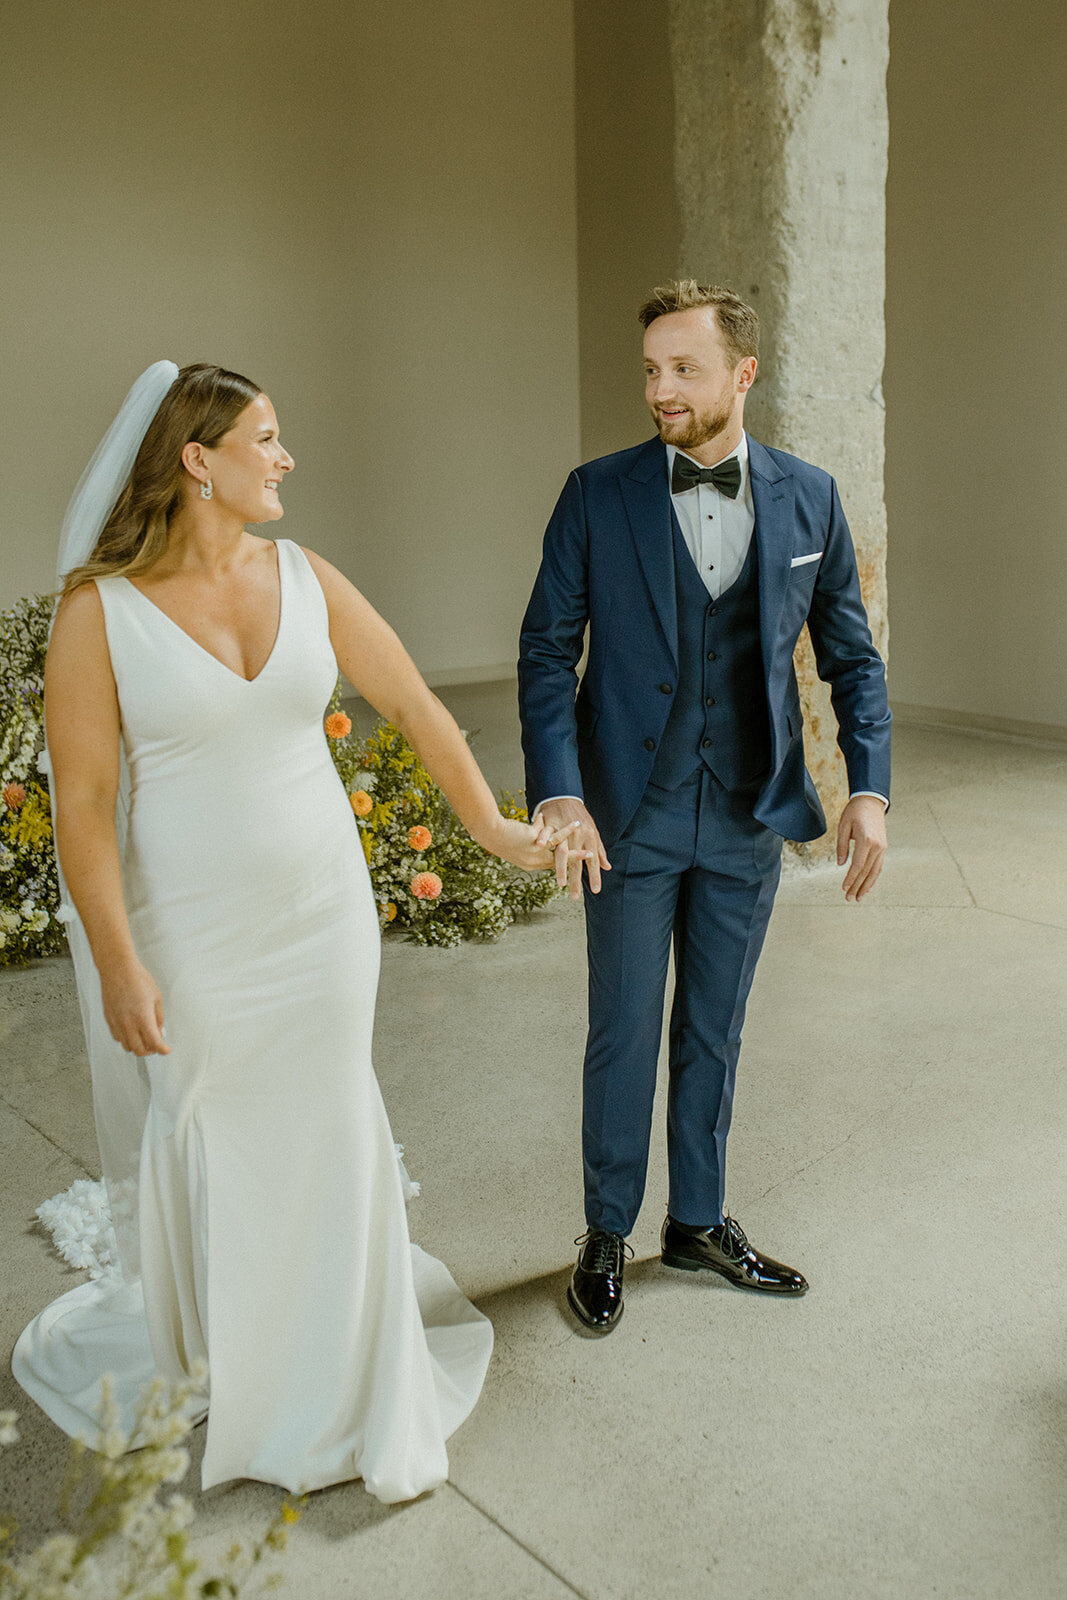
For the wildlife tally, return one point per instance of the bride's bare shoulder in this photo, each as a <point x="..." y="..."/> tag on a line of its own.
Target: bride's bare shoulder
<point x="320" y="563"/>
<point x="80" y="613"/>
<point x="332" y="578"/>
<point x="78" y="653"/>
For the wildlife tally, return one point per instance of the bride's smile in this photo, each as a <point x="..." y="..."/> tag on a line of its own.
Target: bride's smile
<point x="246" y="468"/>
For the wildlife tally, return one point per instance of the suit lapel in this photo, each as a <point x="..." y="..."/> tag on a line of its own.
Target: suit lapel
<point x="772" y="501"/>
<point x="647" y="500"/>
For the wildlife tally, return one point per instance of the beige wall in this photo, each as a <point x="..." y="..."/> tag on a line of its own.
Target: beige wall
<point x="628" y="225"/>
<point x="370" y="210"/>
<point x="976" y="427"/>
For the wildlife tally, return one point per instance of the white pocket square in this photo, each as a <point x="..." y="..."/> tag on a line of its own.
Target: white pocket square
<point x="802" y="561"/>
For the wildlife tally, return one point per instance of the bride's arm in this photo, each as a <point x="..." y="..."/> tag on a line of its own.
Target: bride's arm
<point x="82" y="718"/>
<point x="375" y="662"/>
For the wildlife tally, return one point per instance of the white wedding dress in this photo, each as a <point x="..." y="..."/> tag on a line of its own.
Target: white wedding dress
<point x="273" y="1234"/>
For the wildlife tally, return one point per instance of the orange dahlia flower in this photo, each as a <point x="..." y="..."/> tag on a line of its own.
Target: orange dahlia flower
<point x="14" y="795"/>
<point x="420" y="838"/>
<point x="390" y="911"/>
<point x="426" y="886"/>
<point x="361" y="802"/>
<point x="337" y="725"/>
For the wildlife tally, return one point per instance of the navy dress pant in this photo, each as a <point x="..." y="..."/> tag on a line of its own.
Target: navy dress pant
<point x="694" y="865"/>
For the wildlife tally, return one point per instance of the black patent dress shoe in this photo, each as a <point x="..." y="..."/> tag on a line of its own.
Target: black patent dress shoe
<point x="726" y="1250"/>
<point x="595" y="1290"/>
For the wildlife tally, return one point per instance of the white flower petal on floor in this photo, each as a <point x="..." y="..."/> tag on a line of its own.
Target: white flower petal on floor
<point x="79" y="1221"/>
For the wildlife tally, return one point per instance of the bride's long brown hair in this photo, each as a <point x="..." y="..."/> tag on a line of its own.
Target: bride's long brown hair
<point x="202" y="404"/>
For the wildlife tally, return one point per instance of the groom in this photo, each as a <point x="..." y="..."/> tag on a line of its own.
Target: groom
<point x="694" y="560"/>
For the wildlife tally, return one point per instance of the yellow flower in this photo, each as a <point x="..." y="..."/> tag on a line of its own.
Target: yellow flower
<point x="390" y="911"/>
<point x="31" y="826"/>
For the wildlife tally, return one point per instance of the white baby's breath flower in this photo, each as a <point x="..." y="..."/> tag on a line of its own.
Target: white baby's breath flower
<point x="46" y="1571"/>
<point x="111" y="1442"/>
<point x="179" y="1514"/>
<point x="173" y="1464"/>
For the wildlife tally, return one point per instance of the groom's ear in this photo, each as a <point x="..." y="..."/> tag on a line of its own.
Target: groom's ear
<point x="746" y="373"/>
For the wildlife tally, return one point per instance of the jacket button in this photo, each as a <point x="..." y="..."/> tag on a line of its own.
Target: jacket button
<point x="666" y="688"/>
<point x="714" y="612"/>
<point x="705" y="744"/>
<point x="712" y="656"/>
<point x="650" y="744"/>
<point x="709" y="700"/>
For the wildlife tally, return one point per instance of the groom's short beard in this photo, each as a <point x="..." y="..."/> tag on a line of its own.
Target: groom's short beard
<point x="695" y="429"/>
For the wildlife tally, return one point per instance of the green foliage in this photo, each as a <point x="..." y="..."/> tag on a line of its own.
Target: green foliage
<point x="122" y="1540"/>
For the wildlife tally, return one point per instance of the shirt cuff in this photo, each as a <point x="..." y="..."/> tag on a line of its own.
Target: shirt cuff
<point x="549" y="799"/>
<point x="871" y="794"/>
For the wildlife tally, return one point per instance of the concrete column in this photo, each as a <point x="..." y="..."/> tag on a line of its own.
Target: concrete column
<point x="780" y="160"/>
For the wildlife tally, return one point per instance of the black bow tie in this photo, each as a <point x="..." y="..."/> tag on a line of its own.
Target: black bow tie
<point x="726" y="476"/>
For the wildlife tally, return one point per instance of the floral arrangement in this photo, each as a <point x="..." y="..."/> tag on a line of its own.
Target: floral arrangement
<point x="431" y="881"/>
<point x="123" y="1542"/>
<point x="29" y="887"/>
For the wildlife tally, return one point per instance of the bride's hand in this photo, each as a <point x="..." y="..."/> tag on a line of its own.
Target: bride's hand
<point x="133" y="1008"/>
<point x="517" y="842"/>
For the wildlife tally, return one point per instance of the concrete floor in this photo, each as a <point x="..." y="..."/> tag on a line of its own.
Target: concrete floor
<point x="899" y="1132"/>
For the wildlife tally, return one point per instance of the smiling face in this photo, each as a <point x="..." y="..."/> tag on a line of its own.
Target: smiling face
<point x="695" y="392"/>
<point x="248" y="464"/>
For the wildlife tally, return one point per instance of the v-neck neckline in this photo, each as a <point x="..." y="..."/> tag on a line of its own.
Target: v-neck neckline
<point x="203" y="648"/>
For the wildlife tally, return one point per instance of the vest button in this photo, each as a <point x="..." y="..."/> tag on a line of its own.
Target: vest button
<point x="666" y="688"/>
<point x="709" y="700"/>
<point x="712" y="656"/>
<point x="705" y="744"/>
<point x="650" y="744"/>
<point x="713" y="611"/>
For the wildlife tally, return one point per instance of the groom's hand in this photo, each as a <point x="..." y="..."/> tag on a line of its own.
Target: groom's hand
<point x="584" y="844"/>
<point x="862" y="827"/>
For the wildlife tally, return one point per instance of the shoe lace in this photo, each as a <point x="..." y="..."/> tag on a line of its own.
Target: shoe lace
<point x="734" y="1240"/>
<point x="609" y="1250"/>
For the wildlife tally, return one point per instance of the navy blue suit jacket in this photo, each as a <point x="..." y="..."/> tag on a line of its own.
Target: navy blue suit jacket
<point x="608" y="564"/>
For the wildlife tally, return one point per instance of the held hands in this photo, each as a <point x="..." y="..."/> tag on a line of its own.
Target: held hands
<point x="567" y="830"/>
<point x="862" y="826"/>
<point x="520" y="843"/>
<point x="133" y="1009"/>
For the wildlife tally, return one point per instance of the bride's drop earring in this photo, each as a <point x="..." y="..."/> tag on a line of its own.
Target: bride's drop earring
<point x="207" y="490"/>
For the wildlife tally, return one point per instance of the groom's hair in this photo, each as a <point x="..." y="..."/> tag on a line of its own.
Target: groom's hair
<point x="738" y="323"/>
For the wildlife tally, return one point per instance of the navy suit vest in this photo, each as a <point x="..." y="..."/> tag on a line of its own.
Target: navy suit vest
<point x="719" y="716"/>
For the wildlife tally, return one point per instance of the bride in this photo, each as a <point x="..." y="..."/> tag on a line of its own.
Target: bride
<point x="226" y="946"/>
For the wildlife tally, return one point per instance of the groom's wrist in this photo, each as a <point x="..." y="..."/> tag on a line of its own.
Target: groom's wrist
<point x="550" y="799"/>
<point x="870" y="794"/>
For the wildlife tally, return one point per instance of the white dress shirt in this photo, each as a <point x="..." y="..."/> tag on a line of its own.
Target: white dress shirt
<point x="717" y="532"/>
<point x="716" y="529"/>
